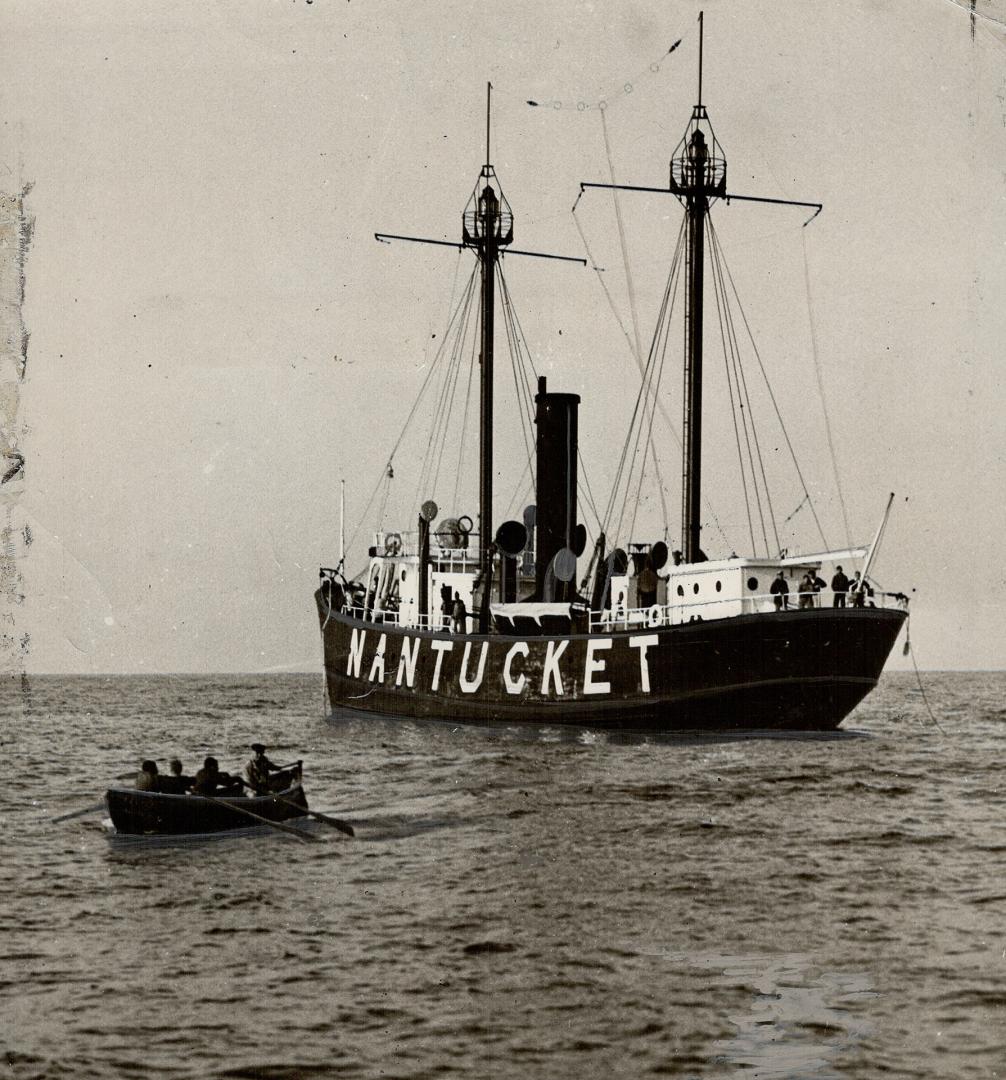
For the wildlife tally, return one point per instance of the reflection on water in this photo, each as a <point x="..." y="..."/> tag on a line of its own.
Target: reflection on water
<point x="801" y="1020"/>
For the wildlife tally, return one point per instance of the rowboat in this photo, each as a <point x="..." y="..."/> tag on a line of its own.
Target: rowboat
<point x="141" y="813"/>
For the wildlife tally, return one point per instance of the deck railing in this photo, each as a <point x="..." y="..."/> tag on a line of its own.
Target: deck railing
<point x="656" y="615"/>
<point x="705" y="610"/>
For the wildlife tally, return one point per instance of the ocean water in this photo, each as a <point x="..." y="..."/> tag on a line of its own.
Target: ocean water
<point x="514" y="904"/>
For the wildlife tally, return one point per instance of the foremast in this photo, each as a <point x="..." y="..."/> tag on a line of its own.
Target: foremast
<point x="487" y="229"/>
<point x="487" y="226"/>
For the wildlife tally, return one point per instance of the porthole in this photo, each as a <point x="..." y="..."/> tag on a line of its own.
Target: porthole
<point x="681" y="590"/>
<point x="719" y="586"/>
<point x="695" y="587"/>
<point x="753" y="584"/>
<point x="403" y="575"/>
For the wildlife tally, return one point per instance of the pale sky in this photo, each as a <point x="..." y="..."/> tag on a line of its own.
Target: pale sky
<point x="217" y="339"/>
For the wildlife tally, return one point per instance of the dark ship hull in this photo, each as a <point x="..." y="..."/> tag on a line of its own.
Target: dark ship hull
<point x="788" y="670"/>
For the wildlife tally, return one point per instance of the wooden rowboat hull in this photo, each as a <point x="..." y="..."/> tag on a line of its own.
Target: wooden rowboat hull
<point x="141" y="813"/>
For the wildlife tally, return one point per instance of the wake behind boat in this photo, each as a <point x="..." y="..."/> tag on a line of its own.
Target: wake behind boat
<point x="488" y="625"/>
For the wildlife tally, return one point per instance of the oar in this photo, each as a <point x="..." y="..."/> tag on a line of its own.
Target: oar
<point x="299" y="833"/>
<point x="342" y="826"/>
<point x="78" y="813"/>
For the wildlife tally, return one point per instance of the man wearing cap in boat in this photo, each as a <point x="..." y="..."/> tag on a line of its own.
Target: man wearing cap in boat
<point x="258" y="769"/>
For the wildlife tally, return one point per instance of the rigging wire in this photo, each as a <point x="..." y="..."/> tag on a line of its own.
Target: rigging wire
<point x="643" y="387"/>
<point x="621" y="89"/>
<point x="521" y="348"/>
<point x="518" y="489"/>
<point x="445" y="426"/>
<point x="720" y="301"/>
<point x="430" y="469"/>
<point x="661" y="332"/>
<point x="820" y="388"/>
<point x="517" y="369"/>
<point x="629" y="282"/>
<point x="667" y="310"/>
<point x="918" y="678"/>
<point x="464" y="428"/>
<point x="743" y="395"/>
<point x="599" y="273"/>
<point x="589" y="501"/>
<point x="775" y="404"/>
<point x="408" y="420"/>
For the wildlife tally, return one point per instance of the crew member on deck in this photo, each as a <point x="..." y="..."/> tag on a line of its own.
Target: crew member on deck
<point x="780" y="590"/>
<point x="860" y="590"/>
<point x="807" y="590"/>
<point x="258" y="769"/>
<point x="459" y="613"/>
<point x="147" y="778"/>
<point x="839" y="586"/>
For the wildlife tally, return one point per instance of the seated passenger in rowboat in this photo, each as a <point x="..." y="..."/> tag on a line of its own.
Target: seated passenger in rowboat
<point x="147" y="779"/>
<point x="177" y="783"/>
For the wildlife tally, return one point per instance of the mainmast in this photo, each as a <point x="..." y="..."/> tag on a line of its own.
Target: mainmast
<point x="698" y="174"/>
<point x="698" y="177"/>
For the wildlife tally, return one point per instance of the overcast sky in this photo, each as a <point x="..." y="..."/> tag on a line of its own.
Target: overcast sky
<point x="217" y="339"/>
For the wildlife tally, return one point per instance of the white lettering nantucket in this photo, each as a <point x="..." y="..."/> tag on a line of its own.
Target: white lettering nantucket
<point x="642" y="643"/>
<point x="595" y="665"/>
<point x="550" y="672"/>
<point x="356" y="652"/>
<point x="378" y="665"/>
<point x="440" y="647"/>
<point x="469" y="686"/>
<point x="407" y="662"/>
<point x="514" y="686"/>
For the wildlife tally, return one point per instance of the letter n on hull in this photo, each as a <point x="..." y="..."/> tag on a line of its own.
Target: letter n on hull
<point x="356" y="643"/>
<point x="407" y="662"/>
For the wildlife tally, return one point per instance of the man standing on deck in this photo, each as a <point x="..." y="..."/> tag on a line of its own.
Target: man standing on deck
<point x="839" y="586"/>
<point x="860" y="589"/>
<point x="459" y="615"/>
<point x="780" y="590"/>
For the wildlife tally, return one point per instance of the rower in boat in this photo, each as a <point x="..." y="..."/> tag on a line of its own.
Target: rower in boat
<point x="211" y="781"/>
<point x="258" y="771"/>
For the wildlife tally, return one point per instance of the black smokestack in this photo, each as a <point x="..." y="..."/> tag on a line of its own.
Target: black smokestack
<point x="556" y="417"/>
